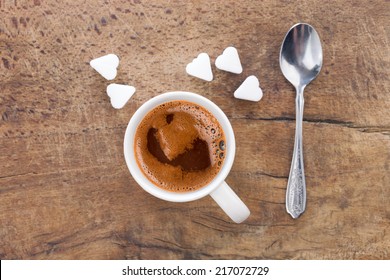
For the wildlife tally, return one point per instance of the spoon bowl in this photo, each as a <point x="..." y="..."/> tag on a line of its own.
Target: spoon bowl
<point x="301" y="55"/>
<point x="300" y="61"/>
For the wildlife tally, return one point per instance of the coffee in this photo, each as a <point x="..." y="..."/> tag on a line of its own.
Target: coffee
<point x="179" y="146"/>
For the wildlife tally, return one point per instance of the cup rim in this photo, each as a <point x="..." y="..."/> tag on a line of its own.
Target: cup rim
<point x="136" y="172"/>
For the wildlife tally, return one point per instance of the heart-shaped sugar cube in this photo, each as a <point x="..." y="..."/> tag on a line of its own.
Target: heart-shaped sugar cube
<point x="249" y="90"/>
<point x="119" y="94"/>
<point x="106" y="65"/>
<point x="229" y="61"/>
<point x="200" y="67"/>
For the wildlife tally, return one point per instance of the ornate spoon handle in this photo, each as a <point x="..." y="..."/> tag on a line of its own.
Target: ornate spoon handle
<point x="296" y="186"/>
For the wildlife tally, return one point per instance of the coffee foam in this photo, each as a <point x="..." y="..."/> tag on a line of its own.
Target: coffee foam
<point x="176" y="126"/>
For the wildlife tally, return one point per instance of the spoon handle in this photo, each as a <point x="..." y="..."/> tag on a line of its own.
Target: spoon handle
<point x="296" y="186"/>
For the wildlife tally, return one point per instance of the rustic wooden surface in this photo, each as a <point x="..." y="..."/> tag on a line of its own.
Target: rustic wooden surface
<point x="66" y="193"/>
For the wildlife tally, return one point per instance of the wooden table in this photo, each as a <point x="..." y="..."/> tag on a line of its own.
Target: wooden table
<point x="66" y="192"/>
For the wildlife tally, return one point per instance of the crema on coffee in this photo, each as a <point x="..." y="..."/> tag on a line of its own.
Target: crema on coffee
<point x="180" y="146"/>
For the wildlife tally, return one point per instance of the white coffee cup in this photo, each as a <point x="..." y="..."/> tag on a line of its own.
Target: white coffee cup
<point x="217" y="188"/>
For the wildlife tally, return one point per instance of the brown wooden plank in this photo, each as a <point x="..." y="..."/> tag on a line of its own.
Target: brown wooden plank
<point x="66" y="193"/>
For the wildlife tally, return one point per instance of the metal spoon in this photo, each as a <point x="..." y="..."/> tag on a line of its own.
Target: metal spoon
<point x="300" y="61"/>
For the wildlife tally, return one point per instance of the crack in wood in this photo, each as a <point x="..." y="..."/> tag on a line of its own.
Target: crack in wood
<point x="270" y="202"/>
<point x="365" y="129"/>
<point x="207" y="226"/>
<point x="259" y="173"/>
<point x="172" y="243"/>
<point x="18" y="175"/>
<point x="86" y="130"/>
<point x="271" y="175"/>
<point x="53" y="246"/>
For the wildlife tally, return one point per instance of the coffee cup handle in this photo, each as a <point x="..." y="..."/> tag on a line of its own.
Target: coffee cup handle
<point x="230" y="203"/>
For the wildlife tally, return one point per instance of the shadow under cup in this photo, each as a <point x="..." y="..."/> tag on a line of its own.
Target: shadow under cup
<point x="217" y="188"/>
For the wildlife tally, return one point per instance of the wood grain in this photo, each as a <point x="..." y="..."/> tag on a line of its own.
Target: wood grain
<point x="66" y="193"/>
